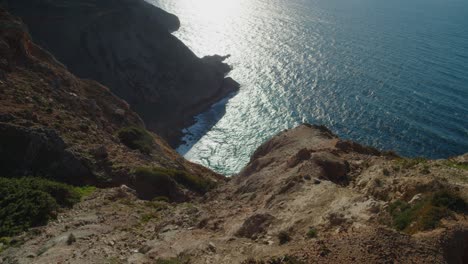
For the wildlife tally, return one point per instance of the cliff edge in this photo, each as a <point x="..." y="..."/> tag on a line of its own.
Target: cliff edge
<point x="306" y="197"/>
<point x="55" y="125"/>
<point x="127" y="46"/>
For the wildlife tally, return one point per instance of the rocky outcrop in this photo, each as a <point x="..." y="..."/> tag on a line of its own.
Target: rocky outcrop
<point x="40" y="152"/>
<point x="56" y="125"/>
<point x="306" y="196"/>
<point x="289" y="205"/>
<point x="127" y="46"/>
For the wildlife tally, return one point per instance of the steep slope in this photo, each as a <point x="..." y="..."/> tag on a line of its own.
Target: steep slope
<point x="127" y="46"/>
<point x="305" y="197"/>
<point x="56" y="125"/>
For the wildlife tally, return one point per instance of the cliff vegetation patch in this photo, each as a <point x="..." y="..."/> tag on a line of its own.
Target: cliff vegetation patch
<point x="427" y="213"/>
<point x="456" y="165"/>
<point x="30" y="202"/>
<point x="166" y="180"/>
<point x="287" y="259"/>
<point x="136" y="138"/>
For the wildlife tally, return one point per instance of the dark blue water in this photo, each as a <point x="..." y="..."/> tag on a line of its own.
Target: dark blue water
<point x="391" y="74"/>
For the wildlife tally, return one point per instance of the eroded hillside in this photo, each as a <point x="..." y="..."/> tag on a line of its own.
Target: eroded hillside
<point x="305" y="197"/>
<point x="55" y="125"/>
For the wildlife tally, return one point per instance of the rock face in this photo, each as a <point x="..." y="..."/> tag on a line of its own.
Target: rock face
<point x="39" y="151"/>
<point x="56" y="125"/>
<point x="127" y="46"/>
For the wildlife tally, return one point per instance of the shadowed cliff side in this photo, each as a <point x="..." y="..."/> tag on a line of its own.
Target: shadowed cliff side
<point x="127" y="46"/>
<point x="55" y="125"/>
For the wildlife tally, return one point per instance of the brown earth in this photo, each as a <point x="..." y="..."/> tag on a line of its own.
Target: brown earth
<point x="240" y="221"/>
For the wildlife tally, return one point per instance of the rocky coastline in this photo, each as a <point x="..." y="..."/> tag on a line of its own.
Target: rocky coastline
<point x="127" y="46"/>
<point x="84" y="181"/>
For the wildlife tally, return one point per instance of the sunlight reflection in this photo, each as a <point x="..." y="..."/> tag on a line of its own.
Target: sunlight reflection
<point x="215" y="9"/>
<point x="207" y="24"/>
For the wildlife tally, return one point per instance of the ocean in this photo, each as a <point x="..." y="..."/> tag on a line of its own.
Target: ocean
<point x="389" y="74"/>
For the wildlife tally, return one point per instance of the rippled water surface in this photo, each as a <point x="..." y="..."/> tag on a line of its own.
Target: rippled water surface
<point x="391" y="74"/>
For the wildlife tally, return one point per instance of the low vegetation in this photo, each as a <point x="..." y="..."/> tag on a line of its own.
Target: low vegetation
<point x="136" y="138"/>
<point x="30" y="202"/>
<point x="312" y="233"/>
<point x="407" y="163"/>
<point x="456" y="165"/>
<point x="427" y="213"/>
<point x="166" y="177"/>
<point x="85" y="191"/>
<point x="276" y="260"/>
<point x="283" y="237"/>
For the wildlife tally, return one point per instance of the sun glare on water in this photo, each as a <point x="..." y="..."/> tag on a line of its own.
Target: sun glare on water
<point x="207" y="24"/>
<point x="216" y="10"/>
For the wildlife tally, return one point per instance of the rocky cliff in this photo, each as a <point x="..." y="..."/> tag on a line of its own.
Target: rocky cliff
<point x="306" y="197"/>
<point x="55" y="125"/>
<point x="127" y="46"/>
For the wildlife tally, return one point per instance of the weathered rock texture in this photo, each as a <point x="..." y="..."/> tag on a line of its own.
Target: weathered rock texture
<point x="127" y="46"/>
<point x="56" y="125"/>
<point x="240" y="222"/>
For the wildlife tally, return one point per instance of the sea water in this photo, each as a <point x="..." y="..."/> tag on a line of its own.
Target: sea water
<point x="390" y="74"/>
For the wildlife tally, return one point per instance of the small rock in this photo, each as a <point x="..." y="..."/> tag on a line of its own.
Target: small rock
<point x="416" y="198"/>
<point x="373" y="207"/>
<point x="255" y="225"/>
<point x="211" y="247"/>
<point x="119" y="112"/>
<point x="144" y="249"/>
<point x="31" y="255"/>
<point x="317" y="181"/>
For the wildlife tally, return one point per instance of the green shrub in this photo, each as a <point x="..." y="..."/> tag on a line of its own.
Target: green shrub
<point x="161" y="199"/>
<point x="152" y="182"/>
<point x="449" y="200"/>
<point x="166" y="177"/>
<point x="136" y="138"/>
<point x="407" y="163"/>
<point x="29" y="202"/>
<point x="85" y="191"/>
<point x="312" y="233"/>
<point x="427" y="213"/>
<point x="457" y="165"/>
<point x="193" y="182"/>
